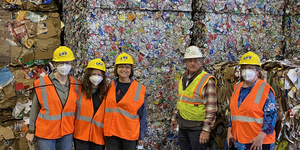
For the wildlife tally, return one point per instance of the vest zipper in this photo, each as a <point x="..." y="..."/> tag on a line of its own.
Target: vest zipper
<point x="90" y="129"/>
<point x="112" y="119"/>
<point x="61" y="124"/>
<point x="91" y="124"/>
<point x="92" y="119"/>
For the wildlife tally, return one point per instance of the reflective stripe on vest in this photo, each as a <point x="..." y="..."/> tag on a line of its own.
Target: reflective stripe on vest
<point x="98" y="124"/>
<point x="246" y="119"/>
<point x="260" y="93"/>
<point x="198" y="90"/>
<point x="78" y="116"/>
<point x="138" y="91"/>
<point x="46" y="116"/>
<point x="123" y="112"/>
<point x="236" y="88"/>
<point x="257" y="101"/>
<point x="192" y="100"/>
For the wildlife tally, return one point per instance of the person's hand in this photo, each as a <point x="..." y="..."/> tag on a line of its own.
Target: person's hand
<point x="257" y="141"/>
<point x="173" y="125"/>
<point x="204" y="137"/>
<point x="30" y="137"/>
<point x="229" y="136"/>
<point x="141" y="142"/>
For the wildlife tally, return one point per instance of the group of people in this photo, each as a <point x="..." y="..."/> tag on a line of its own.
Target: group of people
<point x="92" y="114"/>
<point x="95" y="115"/>
<point x="252" y="106"/>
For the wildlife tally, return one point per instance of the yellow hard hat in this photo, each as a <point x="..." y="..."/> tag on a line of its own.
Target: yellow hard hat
<point x="97" y="64"/>
<point x="63" y="53"/>
<point x="250" y="58"/>
<point x="124" y="58"/>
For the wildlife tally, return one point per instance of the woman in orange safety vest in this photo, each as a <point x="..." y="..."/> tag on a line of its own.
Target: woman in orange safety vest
<point x="88" y="134"/>
<point x="252" y="109"/>
<point x="52" y="114"/>
<point x="125" y="110"/>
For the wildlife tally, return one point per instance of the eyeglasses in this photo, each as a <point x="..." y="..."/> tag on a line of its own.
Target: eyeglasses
<point x="189" y="60"/>
<point x="124" y="66"/>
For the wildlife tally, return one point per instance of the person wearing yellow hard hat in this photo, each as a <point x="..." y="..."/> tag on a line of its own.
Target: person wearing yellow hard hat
<point x="52" y="114"/>
<point x="195" y="111"/>
<point x="253" y="109"/>
<point x="89" y="134"/>
<point x="125" y="109"/>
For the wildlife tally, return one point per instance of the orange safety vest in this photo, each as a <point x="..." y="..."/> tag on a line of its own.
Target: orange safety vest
<point x="55" y="121"/>
<point x="247" y="120"/>
<point x="87" y="126"/>
<point x="121" y="119"/>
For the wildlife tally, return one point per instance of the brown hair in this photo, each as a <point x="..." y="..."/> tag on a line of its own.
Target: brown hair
<point x="116" y="73"/>
<point x="87" y="88"/>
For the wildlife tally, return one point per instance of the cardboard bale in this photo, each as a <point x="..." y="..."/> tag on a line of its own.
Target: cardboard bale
<point x="2" y="97"/>
<point x="43" y="7"/>
<point x="51" y="30"/>
<point x="7" y="107"/>
<point x="47" y="45"/>
<point x="15" y="54"/>
<point x="8" y="103"/>
<point x="5" y="17"/>
<point x="5" y="46"/>
<point x="54" y="17"/>
<point x="11" y="146"/>
<point x="3" y="2"/>
<point x="48" y="41"/>
<point x="9" y="91"/>
<point x="6" y="133"/>
<point x="28" y="57"/>
<point x="225" y="75"/>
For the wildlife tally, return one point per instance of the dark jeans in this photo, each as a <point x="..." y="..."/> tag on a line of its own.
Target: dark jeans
<point x="264" y="146"/>
<point x="86" y="145"/>
<point x="248" y="146"/>
<point x="116" y="143"/>
<point x="189" y="140"/>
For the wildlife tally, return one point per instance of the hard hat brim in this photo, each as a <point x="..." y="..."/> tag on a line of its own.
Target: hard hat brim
<point x="254" y="64"/>
<point x="193" y="57"/>
<point x="124" y="64"/>
<point x="95" y="68"/>
<point x="63" y="60"/>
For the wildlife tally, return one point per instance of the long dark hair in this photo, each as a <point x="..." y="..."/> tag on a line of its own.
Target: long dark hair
<point x="87" y="88"/>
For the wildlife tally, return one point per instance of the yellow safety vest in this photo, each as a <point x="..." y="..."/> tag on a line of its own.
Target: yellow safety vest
<point x="190" y="102"/>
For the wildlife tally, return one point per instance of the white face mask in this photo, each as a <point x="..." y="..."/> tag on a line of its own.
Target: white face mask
<point x="248" y="74"/>
<point x="63" y="69"/>
<point x="95" y="79"/>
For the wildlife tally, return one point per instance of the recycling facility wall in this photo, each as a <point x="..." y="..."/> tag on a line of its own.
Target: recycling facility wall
<point x="156" y="33"/>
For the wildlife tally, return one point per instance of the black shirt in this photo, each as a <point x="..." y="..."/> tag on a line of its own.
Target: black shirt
<point x="185" y="79"/>
<point x="121" y="90"/>
<point x="96" y="101"/>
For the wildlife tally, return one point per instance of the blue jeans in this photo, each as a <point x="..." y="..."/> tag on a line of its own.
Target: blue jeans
<point x="63" y="143"/>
